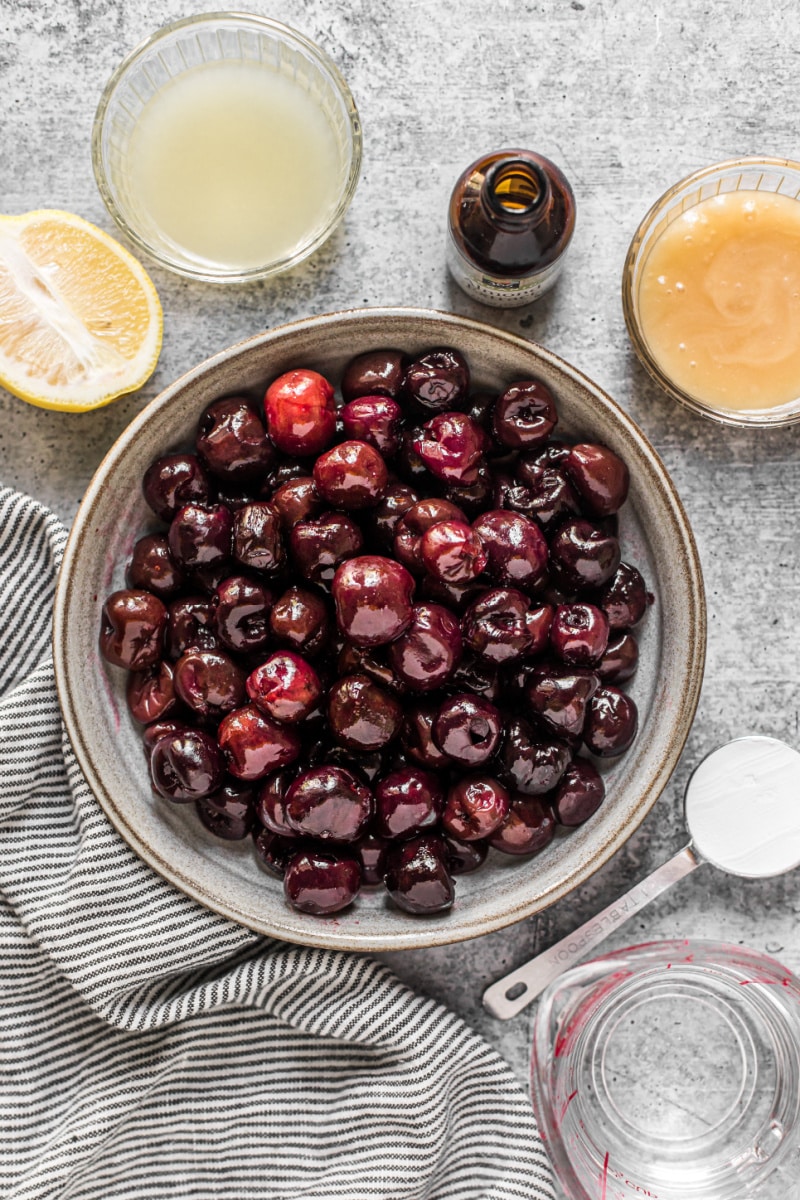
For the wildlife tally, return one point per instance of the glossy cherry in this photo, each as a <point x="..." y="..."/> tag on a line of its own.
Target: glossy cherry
<point x="329" y="803"/>
<point x="516" y="549"/>
<point x="373" y="598"/>
<point x="543" y="491"/>
<point x="450" y="445"/>
<point x="270" y="802"/>
<point x="585" y="556"/>
<point x="285" y="687"/>
<point x="201" y="536"/>
<point x="625" y="598"/>
<point x="407" y="801"/>
<point x="529" y="826"/>
<point x="611" y="722"/>
<point x="559" y="696"/>
<point x="415" y="523"/>
<point x="438" y="380"/>
<point x="319" y="546"/>
<point x="151" y="693"/>
<point x="297" y="500"/>
<point x="524" y="415"/>
<point x="579" y="634"/>
<point x="257" y="541"/>
<point x="425" y="656"/>
<point x="174" y="480"/>
<point x="232" y="441"/>
<point x="579" y="794"/>
<point x="299" y="619"/>
<point x="417" y="876"/>
<point x="452" y="552"/>
<point x="321" y="883"/>
<point x="132" y="629"/>
<point x="464" y="857"/>
<point x="209" y="682"/>
<point x="222" y="824"/>
<point x="600" y="476"/>
<point x="352" y="475"/>
<point x="152" y="568"/>
<point x="496" y="626"/>
<point x="300" y="412"/>
<point x="375" y="373"/>
<point x="529" y="762"/>
<point x="467" y="729"/>
<point x="186" y="766"/>
<point x="362" y="715"/>
<point x="241" y="609"/>
<point x="376" y="420"/>
<point x="475" y="807"/>
<point x="274" y="852"/>
<point x="620" y="659"/>
<point x="190" y="626"/>
<point x="254" y="745"/>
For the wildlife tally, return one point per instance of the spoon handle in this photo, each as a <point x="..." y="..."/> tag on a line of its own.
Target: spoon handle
<point x="528" y="981"/>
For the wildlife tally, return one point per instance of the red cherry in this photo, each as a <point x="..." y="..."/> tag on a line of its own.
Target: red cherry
<point x="301" y="418"/>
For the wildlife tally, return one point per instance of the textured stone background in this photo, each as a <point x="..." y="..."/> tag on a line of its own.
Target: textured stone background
<point x="626" y="97"/>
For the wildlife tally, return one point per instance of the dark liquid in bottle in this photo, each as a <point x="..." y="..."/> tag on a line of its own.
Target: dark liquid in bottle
<point x="512" y="214"/>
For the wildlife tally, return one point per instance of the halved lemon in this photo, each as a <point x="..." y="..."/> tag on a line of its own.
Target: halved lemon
<point x="80" y="319"/>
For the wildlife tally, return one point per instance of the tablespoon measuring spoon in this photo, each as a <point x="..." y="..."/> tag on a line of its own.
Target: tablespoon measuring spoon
<point x="742" y="809"/>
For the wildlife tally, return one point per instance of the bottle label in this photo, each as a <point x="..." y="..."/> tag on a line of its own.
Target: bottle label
<point x="499" y="290"/>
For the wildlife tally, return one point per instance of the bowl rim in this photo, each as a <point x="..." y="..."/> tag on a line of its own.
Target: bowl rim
<point x="291" y="36"/>
<point x="630" y="309"/>
<point x="416" y="935"/>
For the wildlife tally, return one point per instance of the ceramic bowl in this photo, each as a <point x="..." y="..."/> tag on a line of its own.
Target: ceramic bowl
<point x="655" y="535"/>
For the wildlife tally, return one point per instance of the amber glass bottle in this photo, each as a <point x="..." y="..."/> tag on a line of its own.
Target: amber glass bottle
<point x="512" y="214"/>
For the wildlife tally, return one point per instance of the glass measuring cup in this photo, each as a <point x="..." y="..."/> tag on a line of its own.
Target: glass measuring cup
<point x="742" y="808"/>
<point x="671" y="1071"/>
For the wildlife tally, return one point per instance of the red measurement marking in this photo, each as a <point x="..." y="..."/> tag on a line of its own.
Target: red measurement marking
<point x="772" y="982"/>
<point x="567" y="1103"/>
<point x="604" y="1178"/>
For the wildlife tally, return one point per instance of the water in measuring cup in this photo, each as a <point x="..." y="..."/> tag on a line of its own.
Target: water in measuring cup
<point x="672" y="1071"/>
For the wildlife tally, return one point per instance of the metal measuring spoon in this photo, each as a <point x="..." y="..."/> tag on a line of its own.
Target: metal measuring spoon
<point x="742" y="809"/>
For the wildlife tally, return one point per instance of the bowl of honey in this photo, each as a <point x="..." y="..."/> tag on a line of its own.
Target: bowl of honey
<point x="227" y="146"/>
<point x="711" y="292"/>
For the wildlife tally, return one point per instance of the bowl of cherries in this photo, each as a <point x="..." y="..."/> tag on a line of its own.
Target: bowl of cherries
<point x="382" y="629"/>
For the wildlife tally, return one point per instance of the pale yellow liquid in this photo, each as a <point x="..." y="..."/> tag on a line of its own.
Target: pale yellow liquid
<point x="719" y="301"/>
<point x="235" y="164"/>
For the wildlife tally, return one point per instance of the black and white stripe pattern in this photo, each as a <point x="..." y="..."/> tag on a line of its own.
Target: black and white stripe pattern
<point x="149" y="1048"/>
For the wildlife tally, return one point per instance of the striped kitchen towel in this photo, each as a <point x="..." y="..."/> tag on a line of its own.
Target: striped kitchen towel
<point x="150" y="1048"/>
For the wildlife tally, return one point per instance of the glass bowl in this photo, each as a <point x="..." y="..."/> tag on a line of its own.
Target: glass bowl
<point x="197" y="43"/>
<point x="671" y="1070"/>
<point x="775" y="175"/>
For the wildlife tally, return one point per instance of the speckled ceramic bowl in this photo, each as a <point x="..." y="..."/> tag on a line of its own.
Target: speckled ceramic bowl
<point x="225" y="876"/>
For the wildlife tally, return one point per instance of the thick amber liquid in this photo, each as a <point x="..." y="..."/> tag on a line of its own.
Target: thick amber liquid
<point x="719" y="300"/>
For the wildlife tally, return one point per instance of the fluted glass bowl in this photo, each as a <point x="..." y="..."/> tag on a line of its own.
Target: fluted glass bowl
<point x="769" y="175"/>
<point x="179" y="48"/>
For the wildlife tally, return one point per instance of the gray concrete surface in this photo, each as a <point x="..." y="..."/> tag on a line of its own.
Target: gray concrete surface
<point x="626" y="97"/>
